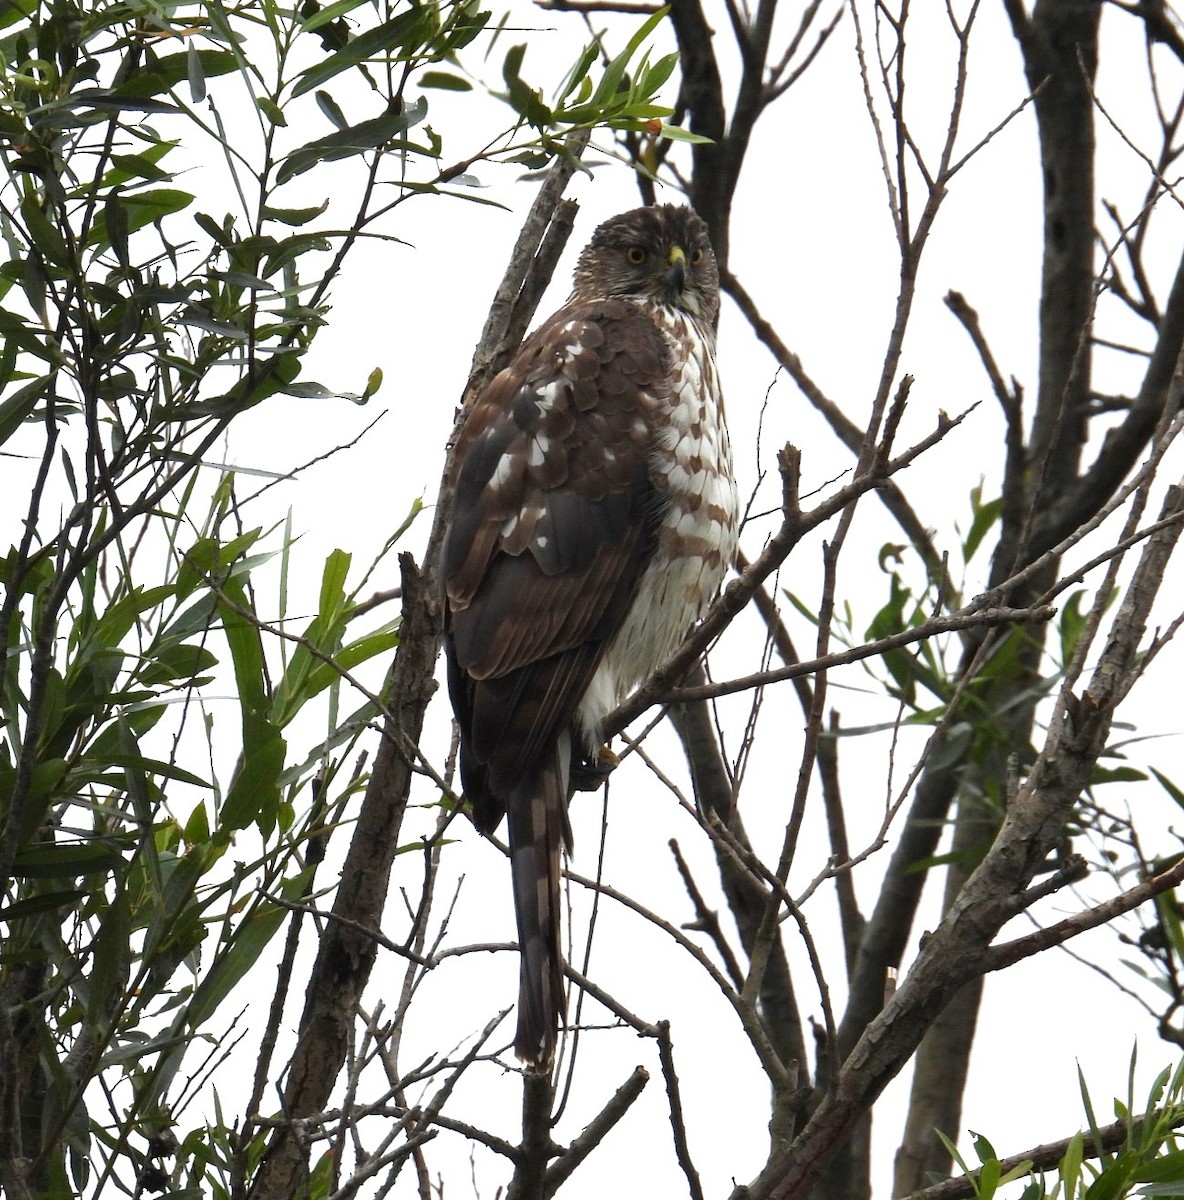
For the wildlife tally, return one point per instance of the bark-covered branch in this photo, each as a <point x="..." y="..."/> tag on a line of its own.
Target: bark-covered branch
<point x="959" y="949"/>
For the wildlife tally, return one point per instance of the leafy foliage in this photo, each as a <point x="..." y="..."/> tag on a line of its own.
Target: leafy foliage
<point x="1139" y="1155"/>
<point x="140" y="317"/>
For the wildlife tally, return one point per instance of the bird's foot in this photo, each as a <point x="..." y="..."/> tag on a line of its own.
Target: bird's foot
<point x="589" y="774"/>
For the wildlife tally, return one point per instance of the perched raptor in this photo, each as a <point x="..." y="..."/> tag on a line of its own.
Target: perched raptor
<point x="594" y="518"/>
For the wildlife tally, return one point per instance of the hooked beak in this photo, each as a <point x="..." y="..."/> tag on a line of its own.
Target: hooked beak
<point x="675" y="276"/>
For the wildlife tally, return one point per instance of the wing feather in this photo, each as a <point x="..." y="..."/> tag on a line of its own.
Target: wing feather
<point x="554" y="521"/>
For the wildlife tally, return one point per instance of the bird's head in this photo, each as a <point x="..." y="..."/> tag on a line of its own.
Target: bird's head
<point x="658" y="254"/>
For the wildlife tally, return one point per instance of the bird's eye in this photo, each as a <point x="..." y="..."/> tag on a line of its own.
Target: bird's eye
<point x="696" y="256"/>
<point x="636" y="255"/>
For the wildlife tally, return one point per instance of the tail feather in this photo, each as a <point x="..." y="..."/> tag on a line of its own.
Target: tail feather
<point x="538" y="831"/>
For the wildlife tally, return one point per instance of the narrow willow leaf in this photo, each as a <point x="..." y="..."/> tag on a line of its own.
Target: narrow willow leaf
<point x="66" y="859"/>
<point x="614" y="73"/>
<point x="328" y="14"/>
<point x="294" y="216"/>
<point x="159" y="75"/>
<point x="254" y="795"/>
<point x="117" y="228"/>
<point x="389" y="38"/>
<point x="271" y="110"/>
<point x="20" y="406"/>
<point x="124" y="100"/>
<point x="676" y="133"/>
<point x="331" y="109"/>
<point x="195" y="74"/>
<point x="111" y="960"/>
<point x="137" y="166"/>
<point x="43" y="234"/>
<point x="444" y="81"/>
<point x="374" y="134"/>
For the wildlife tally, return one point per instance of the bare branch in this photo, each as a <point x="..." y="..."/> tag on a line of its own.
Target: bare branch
<point x="595" y="1131"/>
<point x="963" y="619"/>
<point x="1011" y="952"/>
<point x="682" y="1148"/>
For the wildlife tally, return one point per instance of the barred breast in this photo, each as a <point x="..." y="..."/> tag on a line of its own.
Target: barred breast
<point x="691" y="467"/>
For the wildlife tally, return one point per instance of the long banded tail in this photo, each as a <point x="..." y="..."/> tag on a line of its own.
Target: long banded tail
<point x="538" y="831"/>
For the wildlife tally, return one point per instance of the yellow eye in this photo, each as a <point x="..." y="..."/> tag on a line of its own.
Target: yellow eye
<point x="696" y="256"/>
<point x="636" y="255"/>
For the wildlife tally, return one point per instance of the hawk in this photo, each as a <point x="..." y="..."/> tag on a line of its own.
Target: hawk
<point x="595" y="515"/>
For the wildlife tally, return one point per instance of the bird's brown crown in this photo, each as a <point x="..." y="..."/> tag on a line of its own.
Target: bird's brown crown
<point x="658" y="254"/>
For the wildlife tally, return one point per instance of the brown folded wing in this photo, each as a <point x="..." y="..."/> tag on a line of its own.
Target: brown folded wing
<point x="553" y="524"/>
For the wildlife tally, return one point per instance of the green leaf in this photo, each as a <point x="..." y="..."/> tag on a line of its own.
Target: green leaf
<point x="111" y="961"/>
<point x="195" y="73"/>
<point x="254" y="795"/>
<point x="200" y="319"/>
<point x="141" y="208"/>
<point x="323" y="16"/>
<point x="8" y="353"/>
<point x="408" y="29"/>
<point x="374" y="134"/>
<point x="49" y="773"/>
<point x="294" y="216"/>
<point x="1164" y="1169"/>
<point x="220" y="233"/>
<point x="117" y="227"/>
<point x="275" y="375"/>
<point x="41" y="902"/>
<point x="654" y="77"/>
<point x="801" y="607"/>
<point x="1168" y="786"/>
<point x="43" y="234"/>
<point x="444" y="82"/>
<point x="131" y="97"/>
<point x="1114" y="1179"/>
<point x="952" y="1149"/>
<point x="525" y="100"/>
<point x="16" y="10"/>
<point x="332" y="110"/>
<point x="1115" y="775"/>
<point x="310" y="390"/>
<point x="323" y="634"/>
<point x="246" y="652"/>
<point x="271" y="110"/>
<point x="365" y="648"/>
<point x="20" y="406"/>
<point x="56" y="859"/>
<point x="345" y="732"/>
<point x="614" y="73"/>
<point x="985" y="516"/>
<point x="676" y="133"/>
<point x="117" y="621"/>
<point x="160" y="75"/>
<point x="137" y="166"/>
<point x="1017" y="1172"/>
<point x="243" y="279"/>
<point x="144" y="766"/>
<point x="1071" y="626"/>
<point x="250" y="939"/>
<point x="983" y="1148"/>
<point x="577" y="77"/>
<point x="1070" y="1168"/>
